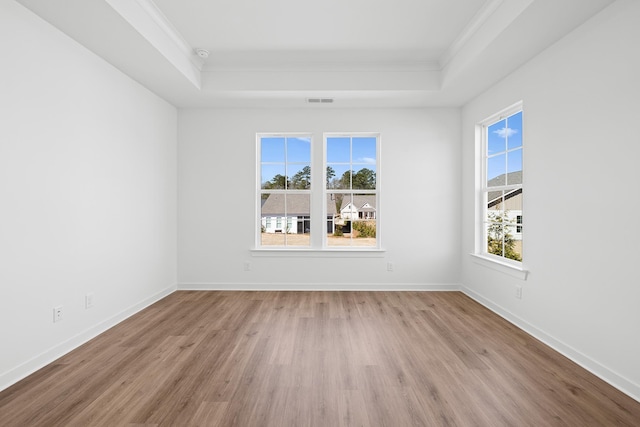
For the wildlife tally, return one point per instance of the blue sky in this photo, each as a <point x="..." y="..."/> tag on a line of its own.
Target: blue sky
<point x="343" y="156"/>
<point x="273" y="150"/>
<point x="504" y="146"/>
<point x="343" y="153"/>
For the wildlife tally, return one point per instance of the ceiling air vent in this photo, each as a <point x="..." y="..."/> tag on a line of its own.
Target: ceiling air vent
<point x="319" y="100"/>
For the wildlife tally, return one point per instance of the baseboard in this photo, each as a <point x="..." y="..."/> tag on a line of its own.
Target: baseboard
<point x="212" y="286"/>
<point x="22" y="371"/>
<point x="624" y="385"/>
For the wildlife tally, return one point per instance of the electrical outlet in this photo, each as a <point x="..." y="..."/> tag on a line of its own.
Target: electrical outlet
<point x="246" y="266"/>
<point x="519" y="292"/>
<point x="88" y="301"/>
<point x="389" y="266"/>
<point x="57" y="314"/>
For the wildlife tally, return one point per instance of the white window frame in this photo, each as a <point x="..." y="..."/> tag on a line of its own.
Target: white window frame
<point x="318" y="194"/>
<point x="375" y="192"/>
<point x="509" y="266"/>
<point x="281" y="222"/>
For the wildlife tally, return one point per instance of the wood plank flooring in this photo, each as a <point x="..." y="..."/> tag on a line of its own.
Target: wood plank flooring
<point x="315" y="359"/>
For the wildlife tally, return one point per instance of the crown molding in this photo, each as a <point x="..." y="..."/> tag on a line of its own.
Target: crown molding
<point x="479" y="19"/>
<point x="338" y="66"/>
<point x="163" y="23"/>
<point x="147" y="19"/>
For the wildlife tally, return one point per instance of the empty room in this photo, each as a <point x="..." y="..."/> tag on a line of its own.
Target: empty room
<point x="330" y="213"/>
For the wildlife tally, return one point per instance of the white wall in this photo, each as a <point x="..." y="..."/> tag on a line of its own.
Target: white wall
<point x="420" y="201"/>
<point x="581" y="108"/>
<point x="87" y="193"/>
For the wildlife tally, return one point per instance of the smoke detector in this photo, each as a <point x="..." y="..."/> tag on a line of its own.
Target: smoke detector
<point x="202" y="53"/>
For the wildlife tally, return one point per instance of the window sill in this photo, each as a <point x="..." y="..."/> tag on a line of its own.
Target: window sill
<point x="503" y="267"/>
<point x="318" y="253"/>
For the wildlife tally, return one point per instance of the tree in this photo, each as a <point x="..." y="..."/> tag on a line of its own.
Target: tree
<point x="345" y="180"/>
<point x="277" y="182"/>
<point x="330" y="174"/>
<point x="364" y="179"/>
<point x="302" y="179"/>
<point x="499" y="238"/>
<point x="338" y="199"/>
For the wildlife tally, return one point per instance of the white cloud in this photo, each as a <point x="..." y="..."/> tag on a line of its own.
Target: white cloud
<point x="367" y="160"/>
<point x="505" y="132"/>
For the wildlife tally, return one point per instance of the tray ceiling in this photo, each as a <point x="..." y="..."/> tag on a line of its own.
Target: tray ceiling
<point x="361" y="53"/>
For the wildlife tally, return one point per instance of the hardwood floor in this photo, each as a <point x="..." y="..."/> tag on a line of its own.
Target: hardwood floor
<point x="315" y="359"/>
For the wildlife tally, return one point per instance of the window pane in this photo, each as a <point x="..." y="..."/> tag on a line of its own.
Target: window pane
<point x="513" y="213"/>
<point x="300" y="177"/>
<point x="504" y="234"/>
<point x="338" y="219"/>
<point x="513" y="202"/>
<point x="514" y="162"/>
<point x="272" y="149"/>
<point x="272" y="212"/>
<point x="514" y="134"/>
<point x="339" y="150"/>
<point x="299" y="150"/>
<point x="273" y="239"/>
<point x="495" y="201"/>
<point x="364" y="178"/>
<point x="496" y="137"/>
<point x="272" y="176"/>
<point x="364" y="150"/>
<point x="341" y="176"/>
<point x="495" y="241"/>
<point x="363" y="214"/>
<point x="298" y="223"/>
<point x="334" y="172"/>
<point x="496" y="170"/>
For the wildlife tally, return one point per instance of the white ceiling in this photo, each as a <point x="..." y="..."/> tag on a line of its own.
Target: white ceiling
<point x="278" y="53"/>
<point x="424" y="26"/>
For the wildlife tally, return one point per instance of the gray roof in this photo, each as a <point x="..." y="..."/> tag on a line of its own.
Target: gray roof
<point x="298" y="204"/>
<point x="504" y="179"/>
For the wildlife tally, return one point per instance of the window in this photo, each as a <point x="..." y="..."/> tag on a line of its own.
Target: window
<point x="351" y="192"/>
<point x="343" y="193"/>
<point x="501" y="187"/>
<point x="284" y="190"/>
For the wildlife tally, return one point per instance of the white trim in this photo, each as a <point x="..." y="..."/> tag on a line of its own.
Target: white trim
<point x="467" y="33"/>
<point x="304" y="252"/>
<point x="168" y="28"/>
<point x="40" y="361"/>
<point x="149" y="21"/>
<point x="503" y="114"/>
<point x="494" y="263"/>
<point x="218" y="286"/>
<point x="626" y="386"/>
<point x="288" y="62"/>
